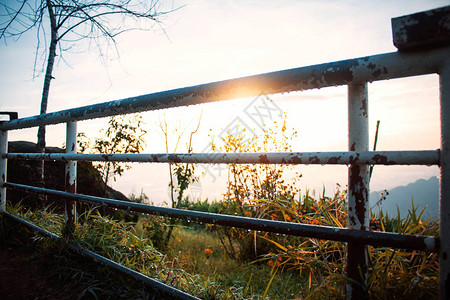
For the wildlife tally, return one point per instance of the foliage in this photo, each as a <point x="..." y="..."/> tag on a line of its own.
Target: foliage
<point x="114" y="240"/>
<point x="200" y="252"/>
<point x="393" y="273"/>
<point x="196" y="261"/>
<point x="124" y="243"/>
<point x="320" y="264"/>
<point x="248" y="184"/>
<point x="124" y="134"/>
<point x="181" y="175"/>
<point x="260" y="181"/>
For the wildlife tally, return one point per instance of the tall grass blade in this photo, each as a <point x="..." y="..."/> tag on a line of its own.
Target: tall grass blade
<point x="270" y="282"/>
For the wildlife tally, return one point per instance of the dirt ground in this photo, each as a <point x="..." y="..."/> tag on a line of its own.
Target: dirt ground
<point x="24" y="277"/>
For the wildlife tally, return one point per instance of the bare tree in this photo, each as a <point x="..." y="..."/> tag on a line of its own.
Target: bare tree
<point x="70" y="22"/>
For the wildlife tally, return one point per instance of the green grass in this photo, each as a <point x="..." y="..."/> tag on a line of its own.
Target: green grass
<point x="238" y="279"/>
<point x="197" y="262"/>
<point x="185" y="265"/>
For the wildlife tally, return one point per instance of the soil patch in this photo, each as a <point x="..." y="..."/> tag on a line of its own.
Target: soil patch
<point x="24" y="276"/>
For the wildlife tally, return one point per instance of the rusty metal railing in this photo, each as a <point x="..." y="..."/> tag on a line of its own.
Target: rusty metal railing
<point x="413" y="58"/>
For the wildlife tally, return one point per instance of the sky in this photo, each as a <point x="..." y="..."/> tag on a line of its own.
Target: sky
<point x="205" y="41"/>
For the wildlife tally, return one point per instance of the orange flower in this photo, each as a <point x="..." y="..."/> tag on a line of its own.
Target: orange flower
<point x="314" y="222"/>
<point x="270" y="263"/>
<point x="208" y="251"/>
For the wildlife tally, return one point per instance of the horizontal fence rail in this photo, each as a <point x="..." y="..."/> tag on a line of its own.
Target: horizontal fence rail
<point x="364" y="69"/>
<point x="426" y="157"/>
<point x="384" y="239"/>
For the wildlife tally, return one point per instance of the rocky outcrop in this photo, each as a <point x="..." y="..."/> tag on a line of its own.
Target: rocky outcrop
<point x="89" y="181"/>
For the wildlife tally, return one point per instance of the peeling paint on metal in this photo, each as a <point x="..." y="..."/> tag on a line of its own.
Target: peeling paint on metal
<point x="263" y="159"/>
<point x="364" y="109"/>
<point x="296" y="229"/>
<point x="424" y="157"/>
<point x="371" y="66"/>
<point x="390" y="65"/>
<point x="381" y="159"/>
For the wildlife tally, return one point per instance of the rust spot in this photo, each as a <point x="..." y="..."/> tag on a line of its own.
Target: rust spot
<point x="338" y="75"/>
<point x="263" y="159"/>
<point x="333" y="160"/>
<point x="353" y="159"/>
<point x="381" y="159"/>
<point x="352" y="220"/>
<point x="359" y="192"/>
<point x="371" y="66"/>
<point x="174" y="158"/>
<point x="70" y="187"/>
<point x="376" y="73"/>
<point x="364" y="108"/>
<point x="295" y="160"/>
<point x="155" y="158"/>
<point x="106" y="157"/>
<point x="314" y="160"/>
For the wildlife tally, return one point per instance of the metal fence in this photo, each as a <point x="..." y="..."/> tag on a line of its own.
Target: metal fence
<point x="413" y="58"/>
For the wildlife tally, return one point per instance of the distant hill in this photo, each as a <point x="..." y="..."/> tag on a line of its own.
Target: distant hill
<point x="423" y="192"/>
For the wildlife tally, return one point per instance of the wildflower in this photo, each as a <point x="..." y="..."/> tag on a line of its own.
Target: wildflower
<point x="208" y="251"/>
<point x="270" y="263"/>
<point x="314" y="222"/>
<point x="247" y="213"/>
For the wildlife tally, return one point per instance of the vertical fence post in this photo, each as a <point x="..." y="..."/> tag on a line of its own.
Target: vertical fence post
<point x="444" y="187"/>
<point x="358" y="188"/>
<point x="3" y="160"/>
<point x="71" y="177"/>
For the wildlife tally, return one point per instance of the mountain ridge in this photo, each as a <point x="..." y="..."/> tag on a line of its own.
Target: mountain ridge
<point x="422" y="192"/>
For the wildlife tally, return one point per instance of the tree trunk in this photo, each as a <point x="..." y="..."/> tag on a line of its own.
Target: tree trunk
<point x="45" y="92"/>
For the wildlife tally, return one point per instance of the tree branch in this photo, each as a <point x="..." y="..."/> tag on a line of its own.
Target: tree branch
<point x="18" y="12"/>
